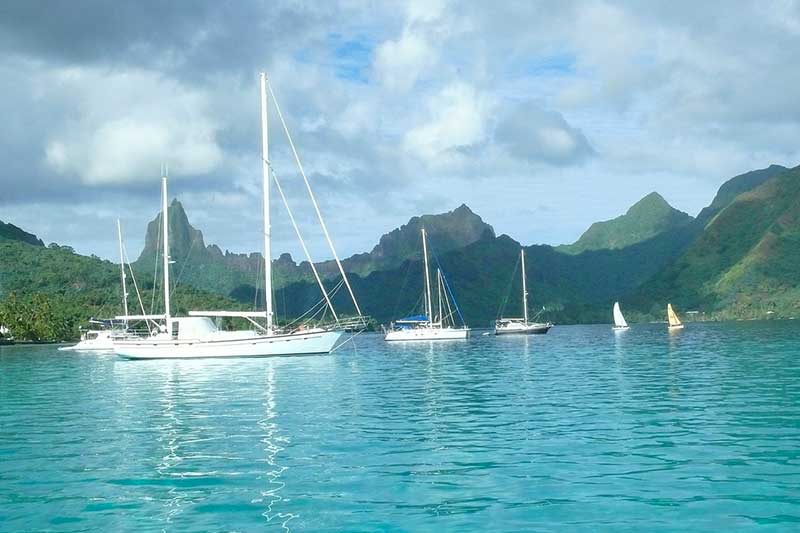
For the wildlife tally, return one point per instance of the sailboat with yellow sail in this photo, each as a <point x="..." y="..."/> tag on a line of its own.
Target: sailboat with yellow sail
<point x="672" y="318"/>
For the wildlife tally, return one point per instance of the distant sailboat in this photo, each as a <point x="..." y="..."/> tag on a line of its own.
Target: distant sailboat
<point x="619" y="320"/>
<point x="521" y="326"/>
<point x="672" y="318"/>
<point x="427" y="327"/>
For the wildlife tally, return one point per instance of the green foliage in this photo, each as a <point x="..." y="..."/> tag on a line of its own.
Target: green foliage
<point x="647" y="218"/>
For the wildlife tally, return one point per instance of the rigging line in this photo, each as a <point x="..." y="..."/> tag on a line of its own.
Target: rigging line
<point x="447" y="286"/>
<point x="155" y="268"/>
<point x="135" y="284"/>
<point x="302" y="242"/>
<point x="313" y="199"/>
<point x="183" y="266"/>
<point x="509" y="286"/>
<point x="408" y="263"/>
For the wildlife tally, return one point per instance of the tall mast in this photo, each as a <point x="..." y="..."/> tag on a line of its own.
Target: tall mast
<point x="427" y="279"/>
<point x="122" y="273"/>
<point x="165" y="251"/>
<point x="265" y="172"/>
<point x="524" y="286"/>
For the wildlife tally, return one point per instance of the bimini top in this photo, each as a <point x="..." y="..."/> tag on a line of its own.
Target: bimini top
<point x="412" y="319"/>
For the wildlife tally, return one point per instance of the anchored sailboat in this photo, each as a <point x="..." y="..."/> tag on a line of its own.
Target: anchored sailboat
<point x="619" y="321"/>
<point x="101" y="338"/>
<point x="428" y="327"/>
<point x="521" y="326"/>
<point x="672" y="318"/>
<point x="197" y="336"/>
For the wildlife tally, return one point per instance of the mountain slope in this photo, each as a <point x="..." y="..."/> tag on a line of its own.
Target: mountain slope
<point x="13" y="233"/>
<point x="447" y="231"/>
<point x="734" y="187"/>
<point x="746" y="260"/>
<point x="647" y="218"/>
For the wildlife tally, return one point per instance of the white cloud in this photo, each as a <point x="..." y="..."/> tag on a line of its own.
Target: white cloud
<point x="399" y="63"/>
<point x="130" y="123"/>
<point x="457" y="118"/>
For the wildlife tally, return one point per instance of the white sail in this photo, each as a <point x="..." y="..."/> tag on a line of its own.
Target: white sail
<point x="672" y="317"/>
<point x="619" y="320"/>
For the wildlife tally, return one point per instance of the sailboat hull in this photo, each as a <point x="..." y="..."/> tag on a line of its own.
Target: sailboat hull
<point x="522" y="329"/>
<point x="427" y="334"/>
<point x="255" y="346"/>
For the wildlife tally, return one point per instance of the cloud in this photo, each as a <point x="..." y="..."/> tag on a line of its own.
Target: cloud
<point x="399" y="63"/>
<point x="456" y="118"/>
<point x="536" y="135"/>
<point x="395" y="108"/>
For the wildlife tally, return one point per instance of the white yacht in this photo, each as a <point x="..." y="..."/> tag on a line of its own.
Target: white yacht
<point x="428" y="327"/>
<point x="197" y="335"/>
<point x="521" y="326"/>
<point x="619" y="321"/>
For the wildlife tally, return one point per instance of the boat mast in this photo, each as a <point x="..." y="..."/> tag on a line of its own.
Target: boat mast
<point x="122" y="274"/>
<point x="265" y="172"/>
<point x="429" y="307"/>
<point x="524" y="287"/>
<point x="165" y="251"/>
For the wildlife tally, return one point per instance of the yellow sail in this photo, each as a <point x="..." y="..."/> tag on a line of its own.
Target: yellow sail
<point x="672" y="317"/>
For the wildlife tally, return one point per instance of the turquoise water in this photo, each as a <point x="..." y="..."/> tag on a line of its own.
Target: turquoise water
<point x="582" y="429"/>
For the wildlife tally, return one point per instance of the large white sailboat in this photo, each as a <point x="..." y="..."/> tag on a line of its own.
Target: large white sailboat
<point x="619" y="321"/>
<point x="521" y="326"/>
<point x="197" y="335"/>
<point x="428" y="327"/>
<point x="672" y="318"/>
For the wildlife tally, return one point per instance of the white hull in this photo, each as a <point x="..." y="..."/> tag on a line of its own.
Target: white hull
<point x="621" y="328"/>
<point x="427" y="334"/>
<point x="102" y="342"/>
<point x="516" y="328"/>
<point x="671" y="328"/>
<point x="254" y="346"/>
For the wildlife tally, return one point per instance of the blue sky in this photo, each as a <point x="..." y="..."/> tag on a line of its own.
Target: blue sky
<point x="542" y="117"/>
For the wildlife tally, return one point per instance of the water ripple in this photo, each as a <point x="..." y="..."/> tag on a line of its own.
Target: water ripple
<point x="580" y="430"/>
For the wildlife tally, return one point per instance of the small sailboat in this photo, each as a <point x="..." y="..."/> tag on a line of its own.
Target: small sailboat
<point x="619" y="321"/>
<point x="101" y="334"/>
<point x="521" y="326"/>
<point x="428" y="327"/>
<point x="672" y="318"/>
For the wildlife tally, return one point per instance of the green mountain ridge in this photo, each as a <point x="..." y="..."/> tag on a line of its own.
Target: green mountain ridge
<point x="746" y="261"/>
<point x="738" y="259"/>
<point x="647" y="218"/>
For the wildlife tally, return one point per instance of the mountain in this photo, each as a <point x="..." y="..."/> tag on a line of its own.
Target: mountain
<point x="746" y="261"/>
<point x="13" y="233"/>
<point x="647" y="218"/>
<point x="235" y="275"/>
<point x="46" y="293"/>
<point x="446" y="231"/>
<point x="734" y="187"/>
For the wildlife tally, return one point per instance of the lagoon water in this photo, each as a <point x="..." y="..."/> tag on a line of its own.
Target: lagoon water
<point x="581" y="429"/>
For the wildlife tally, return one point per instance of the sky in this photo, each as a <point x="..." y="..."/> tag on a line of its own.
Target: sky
<point x="543" y="117"/>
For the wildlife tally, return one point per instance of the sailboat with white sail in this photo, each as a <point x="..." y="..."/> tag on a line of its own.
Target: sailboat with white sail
<point x="430" y="327"/>
<point x="672" y="318"/>
<point x="619" y="321"/>
<point x="521" y="326"/>
<point x="197" y="335"/>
